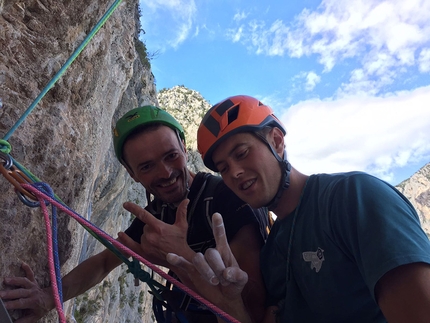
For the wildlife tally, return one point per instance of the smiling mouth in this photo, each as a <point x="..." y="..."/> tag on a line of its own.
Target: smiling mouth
<point x="247" y="184"/>
<point x="171" y="182"/>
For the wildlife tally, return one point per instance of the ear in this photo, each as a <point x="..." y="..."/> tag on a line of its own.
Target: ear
<point x="277" y="138"/>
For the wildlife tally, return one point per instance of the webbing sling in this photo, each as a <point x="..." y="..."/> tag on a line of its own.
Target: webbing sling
<point x="4" y="315"/>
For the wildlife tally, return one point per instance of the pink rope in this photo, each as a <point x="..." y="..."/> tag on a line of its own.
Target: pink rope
<point x="52" y="272"/>
<point x="43" y="197"/>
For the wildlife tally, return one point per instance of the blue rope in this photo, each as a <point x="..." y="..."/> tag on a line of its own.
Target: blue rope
<point x="64" y="68"/>
<point x="133" y="266"/>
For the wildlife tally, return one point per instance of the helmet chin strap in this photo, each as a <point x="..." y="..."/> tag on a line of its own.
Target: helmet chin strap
<point x="285" y="173"/>
<point x="284" y="183"/>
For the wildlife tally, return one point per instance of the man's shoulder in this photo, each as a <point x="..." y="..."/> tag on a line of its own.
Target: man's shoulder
<point x="346" y="178"/>
<point x="210" y="182"/>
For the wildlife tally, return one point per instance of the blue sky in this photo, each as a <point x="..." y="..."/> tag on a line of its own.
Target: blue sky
<point x="349" y="79"/>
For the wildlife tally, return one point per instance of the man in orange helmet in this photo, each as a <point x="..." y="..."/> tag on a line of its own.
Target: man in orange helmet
<point x="345" y="247"/>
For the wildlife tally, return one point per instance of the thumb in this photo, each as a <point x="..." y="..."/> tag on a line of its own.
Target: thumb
<point x="181" y="214"/>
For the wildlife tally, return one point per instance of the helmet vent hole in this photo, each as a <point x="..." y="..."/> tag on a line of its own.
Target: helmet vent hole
<point x="233" y="113"/>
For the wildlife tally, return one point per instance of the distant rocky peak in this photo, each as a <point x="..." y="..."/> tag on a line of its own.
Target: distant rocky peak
<point x="417" y="190"/>
<point x="188" y="107"/>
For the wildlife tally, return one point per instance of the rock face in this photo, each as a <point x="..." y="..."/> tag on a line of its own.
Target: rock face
<point x="66" y="140"/>
<point x="417" y="190"/>
<point x="188" y="107"/>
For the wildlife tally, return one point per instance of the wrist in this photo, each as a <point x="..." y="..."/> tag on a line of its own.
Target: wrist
<point x="236" y="308"/>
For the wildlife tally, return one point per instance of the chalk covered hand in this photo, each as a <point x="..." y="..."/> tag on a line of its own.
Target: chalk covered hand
<point x="216" y="274"/>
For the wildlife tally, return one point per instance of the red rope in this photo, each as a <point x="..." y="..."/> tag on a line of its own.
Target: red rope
<point x="52" y="272"/>
<point x="43" y="197"/>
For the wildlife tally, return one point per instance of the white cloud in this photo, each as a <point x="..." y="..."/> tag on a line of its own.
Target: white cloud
<point x="383" y="37"/>
<point x="371" y="134"/>
<point x="312" y="79"/>
<point x="309" y="80"/>
<point x="424" y="60"/>
<point x="240" y="16"/>
<point x="235" y="34"/>
<point x="171" y="33"/>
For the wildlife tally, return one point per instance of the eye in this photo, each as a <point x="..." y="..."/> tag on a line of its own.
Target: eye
<point x="221" y="168"/>
<point x="172" y="156"/>
<point x="242" y="153"/>
<point x="145" y="168"/>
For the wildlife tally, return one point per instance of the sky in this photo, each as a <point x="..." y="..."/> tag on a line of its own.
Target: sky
<point x="350" y="80"/>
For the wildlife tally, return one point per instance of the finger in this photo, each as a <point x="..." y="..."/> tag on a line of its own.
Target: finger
<point x="28" y="272"/>
<point x="216" y="263"/>
<point x="18" y="281"/>
<point x="235" y="275"/>
<point x="204" y="269"/>
<point x="17" y="304"/>
<point x="128" y="242"/>
<point x="181" y="214"/>
<point x="14" y="293"/>
<point x="178" y="261"/>
<point x="219" y="231"/>
<point x="141" y="213"/>
<point x="221" y="241"/>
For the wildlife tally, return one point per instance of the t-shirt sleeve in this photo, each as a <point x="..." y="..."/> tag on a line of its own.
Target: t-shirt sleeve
<point x="377" y="227"/>
<point x="135" y="230"/>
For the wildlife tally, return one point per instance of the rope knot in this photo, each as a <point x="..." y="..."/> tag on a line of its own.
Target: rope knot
<point x="137" y="271"/>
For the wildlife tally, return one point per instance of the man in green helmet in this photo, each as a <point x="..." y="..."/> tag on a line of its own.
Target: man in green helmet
<point x="150" y="144"/>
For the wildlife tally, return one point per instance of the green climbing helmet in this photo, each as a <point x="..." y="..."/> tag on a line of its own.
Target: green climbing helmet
<point x="145" y="115"/>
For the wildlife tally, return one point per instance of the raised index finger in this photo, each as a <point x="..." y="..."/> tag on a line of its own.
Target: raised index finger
<point x="141" y="214"/>
<point x="219" y="232"/>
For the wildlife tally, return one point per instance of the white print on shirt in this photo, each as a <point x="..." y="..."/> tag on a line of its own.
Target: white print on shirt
<point x="316" y="258"/>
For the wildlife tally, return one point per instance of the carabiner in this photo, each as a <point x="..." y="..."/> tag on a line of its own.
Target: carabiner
<point x="24" y="199"/>
<point x="16" y="178"/>
<point x="8" y="162"/>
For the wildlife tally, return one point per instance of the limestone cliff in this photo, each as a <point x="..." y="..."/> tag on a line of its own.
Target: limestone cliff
<point x="66" y="140"/>
<point x="188" y="107"/>
<point x="417" y="190"/>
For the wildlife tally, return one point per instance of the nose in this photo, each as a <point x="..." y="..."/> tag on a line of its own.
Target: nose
<point x="164" y="170"/>
<point x="236" y="170"/>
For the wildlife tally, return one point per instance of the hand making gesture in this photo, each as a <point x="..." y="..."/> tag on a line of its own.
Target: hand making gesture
<point x="159" y="238"/>
<point x="219" y="268"/>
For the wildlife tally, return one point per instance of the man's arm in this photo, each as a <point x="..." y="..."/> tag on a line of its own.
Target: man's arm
<point x="38" y="302"/>
<point x="403" y="294"/>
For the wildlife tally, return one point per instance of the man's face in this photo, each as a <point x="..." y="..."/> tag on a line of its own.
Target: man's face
<point x="158" y="161"/>
<point x="248" y="168"/>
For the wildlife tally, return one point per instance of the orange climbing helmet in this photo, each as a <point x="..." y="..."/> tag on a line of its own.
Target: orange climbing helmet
<point x="233" y="115"/>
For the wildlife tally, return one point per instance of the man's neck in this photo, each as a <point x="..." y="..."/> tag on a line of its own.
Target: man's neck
<point x="291" y="196"/>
